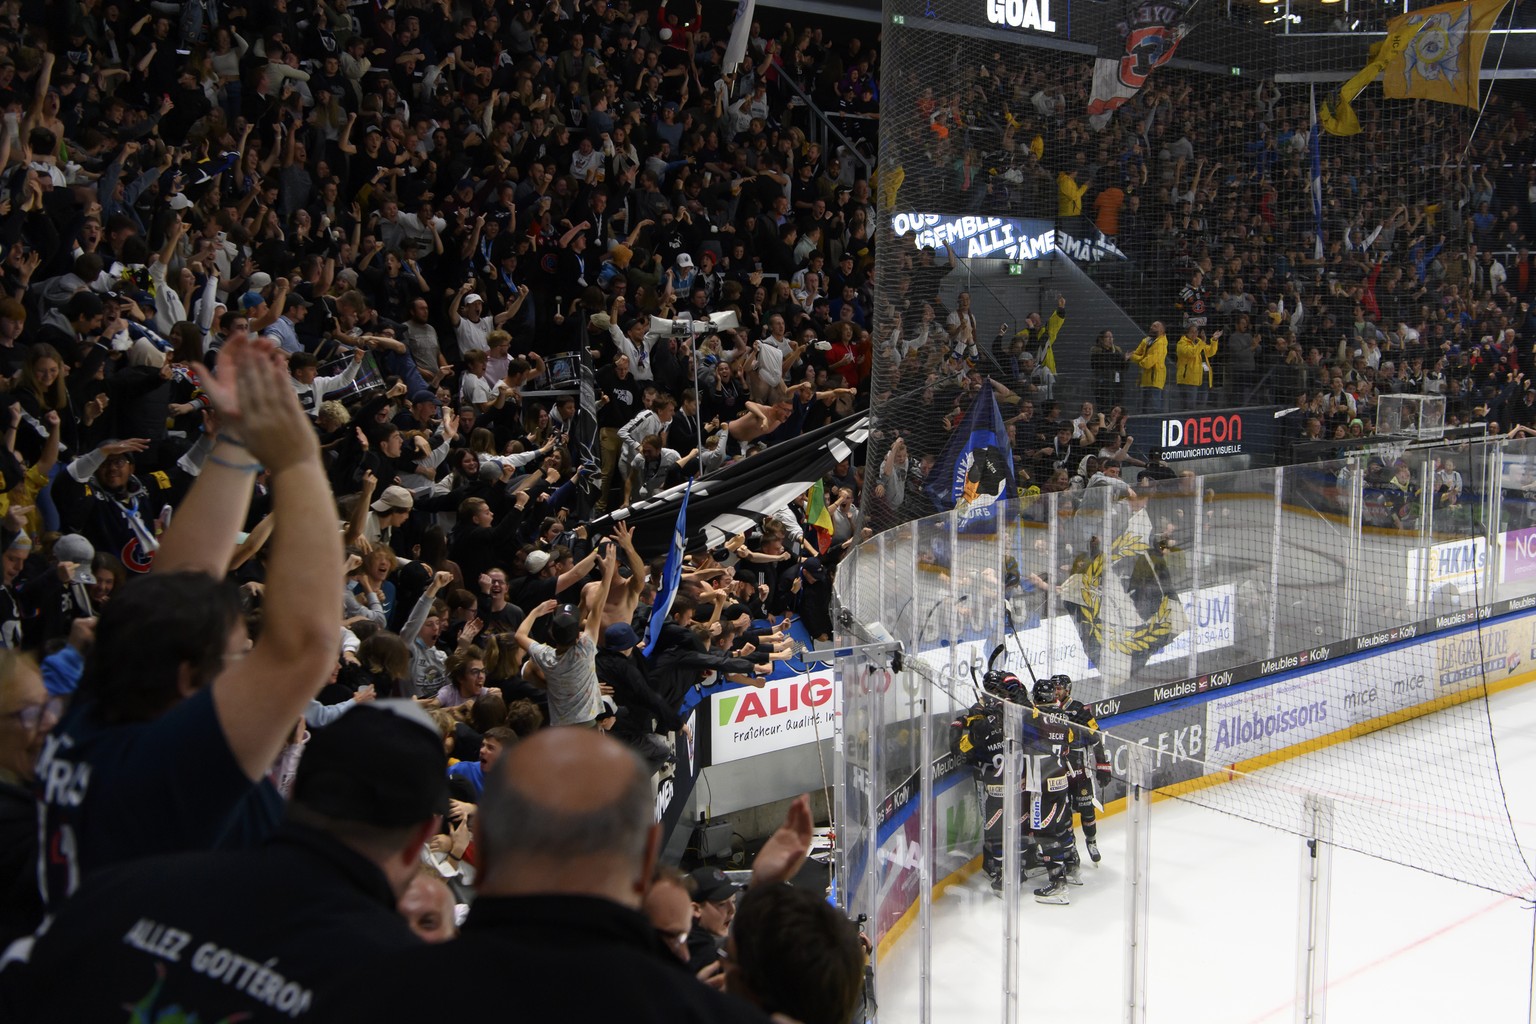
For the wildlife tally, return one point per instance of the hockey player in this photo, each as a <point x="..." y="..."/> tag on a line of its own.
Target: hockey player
<point x="1087" y="760"/>
<point x="1050" y="817"/>
<point x="977" y="738"/>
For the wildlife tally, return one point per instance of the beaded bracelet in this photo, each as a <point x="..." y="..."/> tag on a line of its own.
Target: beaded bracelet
<point x="229" y="439"/>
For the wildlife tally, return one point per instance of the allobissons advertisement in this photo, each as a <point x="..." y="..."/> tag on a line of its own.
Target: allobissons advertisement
<point x="1263" y="720"/>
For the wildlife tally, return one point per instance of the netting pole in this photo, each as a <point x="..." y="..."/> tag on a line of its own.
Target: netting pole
<point x="927" y="849"/>
<point x="1426" y="526"/>
<point x="1352" y="577"/>
<point x="1316" y="896"/>
<point x="1276" y="551"/>
<point x="1013" y="766"/>
<point x="1193" y="630"/>
<point x="1052" y="599"/>
<point x="1531" y="1006"/>
<point x="1138" y="861"/>
<point x="1493" y="520"/>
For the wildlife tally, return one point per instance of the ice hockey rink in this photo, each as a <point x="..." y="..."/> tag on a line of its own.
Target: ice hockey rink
<point x="1406" y="946"/>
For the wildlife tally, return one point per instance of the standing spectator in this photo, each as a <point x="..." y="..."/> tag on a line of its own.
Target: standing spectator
<point x="171" y="699"/>
<point x="1193" y="367"/>
<point x="568" y="661"/>
<point x="1106" y="363"/>
<point x="1152" y="356"/>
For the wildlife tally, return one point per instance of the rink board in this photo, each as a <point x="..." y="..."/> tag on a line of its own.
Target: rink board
<point x="1204" y="739"/>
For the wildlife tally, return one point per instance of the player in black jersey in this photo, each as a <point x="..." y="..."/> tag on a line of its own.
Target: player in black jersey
<point x="1087" y="760"/>
<point x="977" y="738"/>
<point x="1050" y="816"/>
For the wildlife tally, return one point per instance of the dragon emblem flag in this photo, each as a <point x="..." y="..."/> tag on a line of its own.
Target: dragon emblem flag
<point x="1142" y="41"/>
<point x="976" y="470"/>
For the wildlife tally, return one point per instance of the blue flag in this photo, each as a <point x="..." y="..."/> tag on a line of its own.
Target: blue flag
<point x="976" y="470"/>
<point x="671" y="575"/>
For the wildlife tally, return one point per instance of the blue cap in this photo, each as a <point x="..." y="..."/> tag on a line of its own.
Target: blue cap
<point x="620" y="636"/>
<point x="250" y="300"/>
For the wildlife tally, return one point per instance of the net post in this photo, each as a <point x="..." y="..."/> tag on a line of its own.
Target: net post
<point x="1277" y="550"/>
<point x="1013" y="766"/>
<point x="1352" y="577"/>
<point x="1313" y="922"/>
<point x="1194" y="580"/>
<point x="926" y="848"/>
<point x="1493" y="519"/>
<point x="1138" y="860"/>
<point x="1052" y="598"/>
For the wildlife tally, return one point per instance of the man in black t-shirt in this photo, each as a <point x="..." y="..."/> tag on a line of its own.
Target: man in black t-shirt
<point x="618" y="399"/>
<point x="178" y="716"/>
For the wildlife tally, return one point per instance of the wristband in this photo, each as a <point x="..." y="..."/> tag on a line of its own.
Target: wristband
<point x="247" y="467"/>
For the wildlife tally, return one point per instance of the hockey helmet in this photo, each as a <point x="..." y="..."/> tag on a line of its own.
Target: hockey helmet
<point x="1045" y="690"/>
<point x="1063" y="684"/>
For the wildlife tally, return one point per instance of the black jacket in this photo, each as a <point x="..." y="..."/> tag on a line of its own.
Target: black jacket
<point x="593" y="960"/>
<point x="248" y="935"/>
<point x="680" y="660"/>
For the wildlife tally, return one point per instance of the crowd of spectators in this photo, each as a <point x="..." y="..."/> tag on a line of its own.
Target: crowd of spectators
<point x="1424" y="283"/>
<point x="403" y="264"/>
<point x="441" y="231"/>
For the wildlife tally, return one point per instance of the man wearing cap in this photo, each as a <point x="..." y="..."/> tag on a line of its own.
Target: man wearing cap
<point x="391" y="510"/>
<point x="642" y="715"/>
<point x="549" y="576"/>
<point x="568" y="661"/>
<point x="304" y="372"/>
<point x="284" y="328"/>
<point x="714" y="904"/>
<point x="464" y="313"/>
<point x="421" y="414"/>
<point x="249" y="935"/>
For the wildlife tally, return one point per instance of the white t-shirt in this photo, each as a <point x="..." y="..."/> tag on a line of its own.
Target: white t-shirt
<point x="475" y="390"/>
<point x="472" y="335"/>
<point x="574" y="697"/>
<point x="770" y="361"/>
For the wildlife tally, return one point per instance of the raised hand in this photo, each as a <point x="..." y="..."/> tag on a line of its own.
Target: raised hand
<point x="125" y="446"/>
<point x="274" y="426"/>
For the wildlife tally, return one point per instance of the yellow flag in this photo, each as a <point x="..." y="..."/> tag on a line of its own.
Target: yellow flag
<point x="1337" y="116"/>
<point x="888" y="184"/>
<point x="1445" y="54"/>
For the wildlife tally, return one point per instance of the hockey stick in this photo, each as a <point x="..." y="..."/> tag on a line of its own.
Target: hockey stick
<point x="1008" y="619"/>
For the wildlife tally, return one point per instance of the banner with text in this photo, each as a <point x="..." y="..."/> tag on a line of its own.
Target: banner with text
<point x="787" y="712"/>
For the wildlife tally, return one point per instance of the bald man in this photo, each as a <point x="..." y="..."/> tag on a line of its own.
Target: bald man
<point x="568" y="845"/>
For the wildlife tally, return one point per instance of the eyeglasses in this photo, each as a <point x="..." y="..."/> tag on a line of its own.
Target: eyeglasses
<point x="33" y="715"/>
<point x="474" y="671"/>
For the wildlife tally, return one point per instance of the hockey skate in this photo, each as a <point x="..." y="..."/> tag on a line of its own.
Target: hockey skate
<point x="1055" y="892"/>
<point x="1031" y="866"/>
<point x="1073" y="875"/>
<point x="1093" y="850"/>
